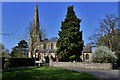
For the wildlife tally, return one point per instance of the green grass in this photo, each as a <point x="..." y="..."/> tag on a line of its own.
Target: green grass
<point x="45" y="73"/>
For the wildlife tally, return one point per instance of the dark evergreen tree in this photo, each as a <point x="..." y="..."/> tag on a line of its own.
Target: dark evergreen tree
<point x="70" y="41"/>
<point x="20" y="51"/>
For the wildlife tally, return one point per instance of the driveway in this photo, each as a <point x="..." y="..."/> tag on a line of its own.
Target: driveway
<point x="101" y="74"/>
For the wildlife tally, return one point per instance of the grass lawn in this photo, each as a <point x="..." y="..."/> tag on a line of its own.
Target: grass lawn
<point x="45" y="73"/>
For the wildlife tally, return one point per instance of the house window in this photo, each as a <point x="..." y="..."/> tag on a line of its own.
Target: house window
<point x="52" y="47"/>
<point x="44" y="46"/>
<point x="87" y="57"/>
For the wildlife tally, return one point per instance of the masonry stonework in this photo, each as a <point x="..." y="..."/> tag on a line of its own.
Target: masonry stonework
<point x="82" y="65"/>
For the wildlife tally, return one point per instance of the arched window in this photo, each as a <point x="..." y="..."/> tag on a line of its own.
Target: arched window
<point x="36" y="51"/>
<point x="44" y="46"/>
<point x="87" y="56"/>
<point x="52" y="47"/>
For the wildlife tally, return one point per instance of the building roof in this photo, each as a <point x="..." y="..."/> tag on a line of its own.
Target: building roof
<point x="46" y="51"/>
<point x="87" y="49"/>
<point x="7" y="55"/>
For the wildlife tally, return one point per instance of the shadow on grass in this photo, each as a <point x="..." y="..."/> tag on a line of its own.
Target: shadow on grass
<point x="45" y="73"/>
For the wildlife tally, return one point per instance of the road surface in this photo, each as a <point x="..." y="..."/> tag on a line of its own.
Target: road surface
<point x="101" y="74"/>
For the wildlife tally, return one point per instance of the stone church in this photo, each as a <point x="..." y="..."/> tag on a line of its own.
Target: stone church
<point x="44" y="50"/>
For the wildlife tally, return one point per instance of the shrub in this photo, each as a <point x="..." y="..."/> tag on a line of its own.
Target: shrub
<point x="2" y="59"/>
<point x="104" y="55"/>
<point x="72" y="58"/>
<point x="21" y="62"/>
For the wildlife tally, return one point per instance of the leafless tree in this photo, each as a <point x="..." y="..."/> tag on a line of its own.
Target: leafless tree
<point x="105" y="34"/>
<point x="35" y="40"/>
<point x="43" y="32"/>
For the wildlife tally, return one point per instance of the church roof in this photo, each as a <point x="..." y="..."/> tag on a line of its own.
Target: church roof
<point x="87" y="49"/>
<point x="46" y="51"/>
<point x="7" y="55"/>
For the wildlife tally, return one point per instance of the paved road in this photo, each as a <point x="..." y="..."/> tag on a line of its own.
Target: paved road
<point x="101" y="74"/>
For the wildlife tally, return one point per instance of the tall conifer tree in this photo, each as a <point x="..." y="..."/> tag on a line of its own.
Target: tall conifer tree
<point x="70" y="41"/>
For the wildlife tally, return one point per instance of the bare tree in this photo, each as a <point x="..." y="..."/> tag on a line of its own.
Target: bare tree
<point x="27" y="32"/>
<point x="43" y="32"/>
<point x="105" y="34"/>
<point x="108" y="35"/>
<point x="34" y="40"/>
<point x="1" y="50"/>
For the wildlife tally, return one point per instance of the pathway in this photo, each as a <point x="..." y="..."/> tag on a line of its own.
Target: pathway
<point x="101" y="74"/>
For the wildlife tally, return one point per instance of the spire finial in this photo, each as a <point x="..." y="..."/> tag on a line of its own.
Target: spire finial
<point x="36" y="8"/>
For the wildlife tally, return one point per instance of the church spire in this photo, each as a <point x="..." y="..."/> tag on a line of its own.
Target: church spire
<point x="35" y="34"/>
<point x="36" y="16"/>
<point x="36" y="25"/>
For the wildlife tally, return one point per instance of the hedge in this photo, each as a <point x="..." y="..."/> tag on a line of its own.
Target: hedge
<point x="2" y="62"/>
<point x="21" y="62"/>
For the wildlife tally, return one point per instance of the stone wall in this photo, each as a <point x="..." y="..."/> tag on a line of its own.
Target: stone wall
<point x="82" y="65"/>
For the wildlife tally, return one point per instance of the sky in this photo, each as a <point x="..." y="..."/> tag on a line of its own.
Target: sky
<point x="17" y="15"/>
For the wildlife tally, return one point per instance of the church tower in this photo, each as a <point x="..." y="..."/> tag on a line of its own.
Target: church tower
<point x="35" y="34"/>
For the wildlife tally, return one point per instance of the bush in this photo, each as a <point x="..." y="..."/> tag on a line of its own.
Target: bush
<point x="103" y="55"/>
<point x="72" y="58"/>
<point x="21" y="62"/>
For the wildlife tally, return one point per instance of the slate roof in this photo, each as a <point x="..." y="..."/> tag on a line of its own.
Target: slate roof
<point x="7" y="55"/>
<point x="46" y="51"/>
<point x="87" y="49"/>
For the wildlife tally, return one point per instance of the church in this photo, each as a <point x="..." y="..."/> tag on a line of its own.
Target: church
<point x="44" y="50"/>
